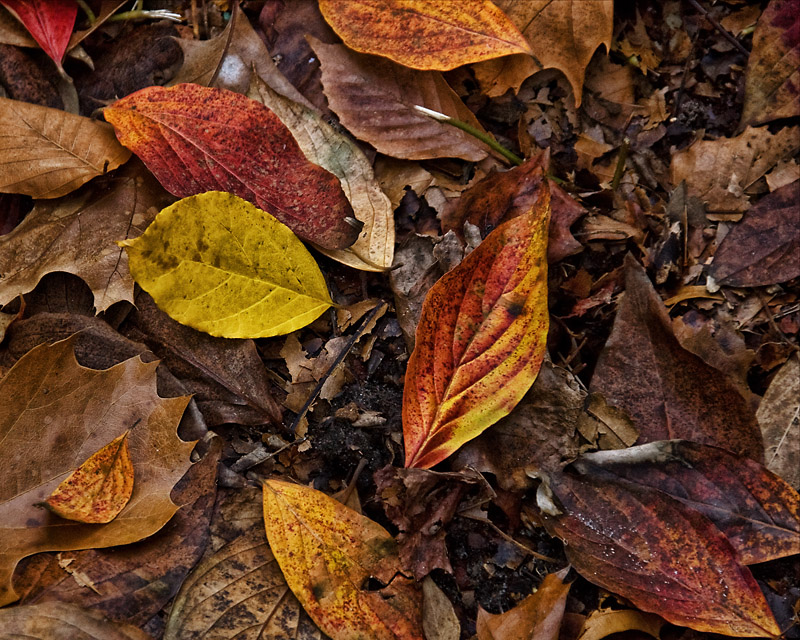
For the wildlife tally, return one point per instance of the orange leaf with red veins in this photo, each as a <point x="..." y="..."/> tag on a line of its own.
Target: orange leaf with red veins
<point x="100" y="488"/>
<point x="420" y="34"/>
<point x="50" y="22"/>
<point x="196" y="139"/>
<point x="480" y="341"/>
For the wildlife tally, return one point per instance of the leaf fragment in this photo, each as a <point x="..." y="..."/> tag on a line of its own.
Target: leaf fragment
<point x="52" y="619"/>
<point x="326" y="552"/>
<point x="219" y="264"/>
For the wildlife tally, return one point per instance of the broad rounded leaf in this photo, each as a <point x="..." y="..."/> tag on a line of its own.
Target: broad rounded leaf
<point x="216" y="263"/>
<point x="425" y="35"/>
<point x="197" y="139"/>
<point x="50" y="22"/>
<point x="100" y="488"/>
<point x="480" y="340"/>
<point x="326" y="552"/>
<point x="46" y="153"/>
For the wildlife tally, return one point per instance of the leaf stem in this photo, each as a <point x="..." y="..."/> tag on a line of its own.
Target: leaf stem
<point x="146" y="13"/>
<point x="88" y="11"/>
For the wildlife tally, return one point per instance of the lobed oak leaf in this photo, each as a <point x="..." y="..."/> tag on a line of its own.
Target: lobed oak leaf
<point x="435" y="36"/>
<point x="47" y="153"/>
<point x="197" y="139"/>
<point x="100" y="488"/>
<point x="218" y="264"/>
<point x="69" y="411"/>
<point x="326" y="552"/>
<point x="480" y="340"/>
<point x="50" y="22"/>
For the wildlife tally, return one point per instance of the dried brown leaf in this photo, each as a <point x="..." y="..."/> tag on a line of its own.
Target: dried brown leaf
<point x="779" y="417"/>
<point x="63" y="621"/>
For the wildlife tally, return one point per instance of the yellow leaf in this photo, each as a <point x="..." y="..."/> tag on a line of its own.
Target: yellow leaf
<point x="219" y="264"/>
<point x="100" y="488"/>
<point x="327" y="552"/>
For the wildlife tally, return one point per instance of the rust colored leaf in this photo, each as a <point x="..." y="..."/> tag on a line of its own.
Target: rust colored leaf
<point x="326" y="552"/>
<point x="563" y="35"/>
<point x="100" y="488"/>
<point x="757" y="511"/>
<point x="375" y="98"/>
<point x="436" y="36"/>
<point x="480" y="340"/>
<point x="660" y="554"/>
<point x="70" y="411"/>
<point x="676" y="394"/>
<point x="762" y="249"/>
<point x="196" y="139"/>
<point x="50" y="22"/>
<point x="537" y="616"/>
<point x="772" y="79"/>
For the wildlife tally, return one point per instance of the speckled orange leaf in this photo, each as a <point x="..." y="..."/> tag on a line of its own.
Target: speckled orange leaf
<point x="425" y="35"/>
<point x="480" y="340"/>
<point x="100" y="488"/>
<point x="196" y="139"/>
<point x="327" y="551"/>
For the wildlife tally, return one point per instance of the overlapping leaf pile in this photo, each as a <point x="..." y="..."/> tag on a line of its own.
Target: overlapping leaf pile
<point x="577" y="343"/>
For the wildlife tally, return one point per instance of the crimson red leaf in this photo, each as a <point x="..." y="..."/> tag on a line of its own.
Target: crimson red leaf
<point x="50" y="22"/>
<point x="196" y="139"/>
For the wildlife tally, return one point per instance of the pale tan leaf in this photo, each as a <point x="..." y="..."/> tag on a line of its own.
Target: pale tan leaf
<point x="779" y="418"/>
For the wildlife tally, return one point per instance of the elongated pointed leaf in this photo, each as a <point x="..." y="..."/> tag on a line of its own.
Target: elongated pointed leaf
<point x="423" y="34"/>
<point x="218" y="264"/>
<point x="50" y="22"/>
<point x="100" y="488"/>
<point x="326" y="552"/>
<point x="480" y="340"/>
<point x="197" y="139"/>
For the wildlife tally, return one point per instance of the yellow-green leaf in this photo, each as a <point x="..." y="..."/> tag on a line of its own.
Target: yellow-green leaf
<point x="219" y="264"/>
<point x="100" y="488"/>
<point x="327" y="552"/>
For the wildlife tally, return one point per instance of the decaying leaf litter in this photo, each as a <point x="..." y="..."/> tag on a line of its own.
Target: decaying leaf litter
<point x="483" y="400"/>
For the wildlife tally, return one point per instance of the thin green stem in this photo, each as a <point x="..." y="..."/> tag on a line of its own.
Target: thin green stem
<point x="88" y="11"/>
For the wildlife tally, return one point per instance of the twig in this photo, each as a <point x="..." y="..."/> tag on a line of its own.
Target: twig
<point x="621" y="158"/>
<point x="261" y="454"/>
<point x="722" y="30"/>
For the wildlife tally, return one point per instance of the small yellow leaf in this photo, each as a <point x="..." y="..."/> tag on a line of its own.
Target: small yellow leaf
<point x="219" y="264"/>
<point x="327" y="552"/>
<point x="100" y="488"/>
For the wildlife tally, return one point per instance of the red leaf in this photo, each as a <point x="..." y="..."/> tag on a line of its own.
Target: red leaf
<point x="50" y="22"/>
<point x="196" y="139"/>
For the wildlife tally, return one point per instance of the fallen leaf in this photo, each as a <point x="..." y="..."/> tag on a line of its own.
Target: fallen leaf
<point x="439" y="620"/>
<point x="757" y="511"/>
<point x="603" y="623"/>
<point x="658" y="553"/>
<point x="480" y="340"/>
<point x="77" y="235"/>
<point x="326" y="552"/>
<point x="339" y="154"/>
<point x="47" y="153"/>
<point x="539" y="434"/>
<point x="375" y="98"/>
<point x="563" y="35"/>
<point x="497" y="76"/>
<point x="70" y="411"/>
<point x="605" y="427"/>
<point x="218" y="264"/>
<point x="537" y="616"/>
<point x="50" y="22"/>
<point x="12" y="32"/>
<point x="763" y="247"/>
<point x="425" y="35"/>
<point x="719" y="171"/>
<point x="53" y="619"/>
<point x="565" y="212"/>
<point x="676" y="394"/>
<point x="196" y="139"/>
<point x="772" y="78"/>
<point x="100" y="488"/>
<point x="779" y="417"/>
<point x="239" y="589"/>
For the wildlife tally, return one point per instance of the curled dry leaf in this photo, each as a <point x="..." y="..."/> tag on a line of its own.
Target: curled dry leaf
<point x="480" y="340"/>
<point x="603" y="623"/>
<point x="375" y="98"/>
<point x="772" y="79"/>
<point x="197" y="139"/>
<point x="50" y="22"/>
<point x="326" y="552"/>
<point x="218" y="264"/>
<point x="77" y="234"/>
<point x="100" y="488"/>
<point x="658" y="553"/>
<point x="336" y="152"/>
<point x="70" y="412"/>
<point x="47" y="153"/>
<point x="436" y="36"/>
